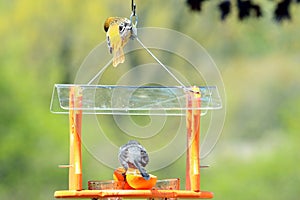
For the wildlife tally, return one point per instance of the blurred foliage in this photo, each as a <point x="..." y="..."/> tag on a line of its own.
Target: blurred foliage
<point x="248" y="8"/>
<point x="44" y="42"/>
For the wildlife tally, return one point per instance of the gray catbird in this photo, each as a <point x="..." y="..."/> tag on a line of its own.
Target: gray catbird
<point x="134" y="155"/>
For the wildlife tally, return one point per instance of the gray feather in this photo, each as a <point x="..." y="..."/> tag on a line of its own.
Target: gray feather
<point x="134" y="155"/>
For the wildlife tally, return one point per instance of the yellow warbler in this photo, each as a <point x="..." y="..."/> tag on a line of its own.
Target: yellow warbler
<point x="118" y="31"/>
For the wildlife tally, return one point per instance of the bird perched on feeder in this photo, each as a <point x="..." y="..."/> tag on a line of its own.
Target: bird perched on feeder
<point x="134" y="155"/>
<point x="118" y="31"/>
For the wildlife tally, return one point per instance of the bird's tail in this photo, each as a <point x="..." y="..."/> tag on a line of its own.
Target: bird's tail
<point x="118" y="57"/>
<point x="143" y="172"/>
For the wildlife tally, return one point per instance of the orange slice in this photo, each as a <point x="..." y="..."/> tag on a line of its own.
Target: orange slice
<point x="136" y="181"/>
<point x="119" y="175"/>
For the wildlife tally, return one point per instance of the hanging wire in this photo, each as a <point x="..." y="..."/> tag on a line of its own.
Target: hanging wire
<point x="152" y="55"/>
<point x="159" y="62"/>
<point x="133" y="7"/>
<point x="100" y="72"/>
<point x="134" y="16"/>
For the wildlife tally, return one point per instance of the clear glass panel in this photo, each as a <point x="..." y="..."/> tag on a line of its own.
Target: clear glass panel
<point x="133" y="100"/>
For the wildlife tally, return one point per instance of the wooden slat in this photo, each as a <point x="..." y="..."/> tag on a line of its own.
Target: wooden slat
<point x="193" y="140"/>
<point x="133" y="194"/>
<point x="75" y="119"/>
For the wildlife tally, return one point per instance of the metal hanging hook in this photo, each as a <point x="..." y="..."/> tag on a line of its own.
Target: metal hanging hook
<point x="133" y="20"/>
<point x="133" y="16"/>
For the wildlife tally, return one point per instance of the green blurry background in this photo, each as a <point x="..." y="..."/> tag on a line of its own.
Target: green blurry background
<point x="44" y="42"/>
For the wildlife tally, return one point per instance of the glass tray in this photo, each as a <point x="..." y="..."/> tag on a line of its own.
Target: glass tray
<point x="133" y="100"/>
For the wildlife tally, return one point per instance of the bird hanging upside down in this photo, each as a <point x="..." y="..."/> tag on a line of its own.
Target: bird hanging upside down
<point x="134" y="155"/>
<point x="118" y="31"/>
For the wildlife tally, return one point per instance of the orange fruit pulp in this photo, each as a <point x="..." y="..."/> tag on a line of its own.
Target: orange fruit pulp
<point x="120" y="176"/>
<point x="137" y="181"/>
<point x="133" y="179"/>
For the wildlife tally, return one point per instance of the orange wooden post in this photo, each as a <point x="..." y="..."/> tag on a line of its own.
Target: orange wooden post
<point x="75" y="119"/>
<point x="193" y="140"/>
<point x="189" y="136"/>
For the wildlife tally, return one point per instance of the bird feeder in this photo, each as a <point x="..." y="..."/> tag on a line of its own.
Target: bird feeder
<point x="192" y="102"/>
<point x="77" y="100"/>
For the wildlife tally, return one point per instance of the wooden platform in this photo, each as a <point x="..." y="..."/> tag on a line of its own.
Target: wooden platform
<point x="133" y="194"/>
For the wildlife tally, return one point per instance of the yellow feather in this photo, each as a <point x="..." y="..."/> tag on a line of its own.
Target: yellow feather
<point x="116" y="43"/>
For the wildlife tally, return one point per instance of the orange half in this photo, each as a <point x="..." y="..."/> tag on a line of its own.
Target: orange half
<point x="136" y="181"/>
<point x="119" y="175"/>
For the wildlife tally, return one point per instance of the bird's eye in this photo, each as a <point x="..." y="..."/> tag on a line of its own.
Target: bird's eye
<point x="121" y="27"/>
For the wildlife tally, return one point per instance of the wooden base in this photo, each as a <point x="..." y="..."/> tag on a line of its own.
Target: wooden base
<point x="133" y="194"/>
